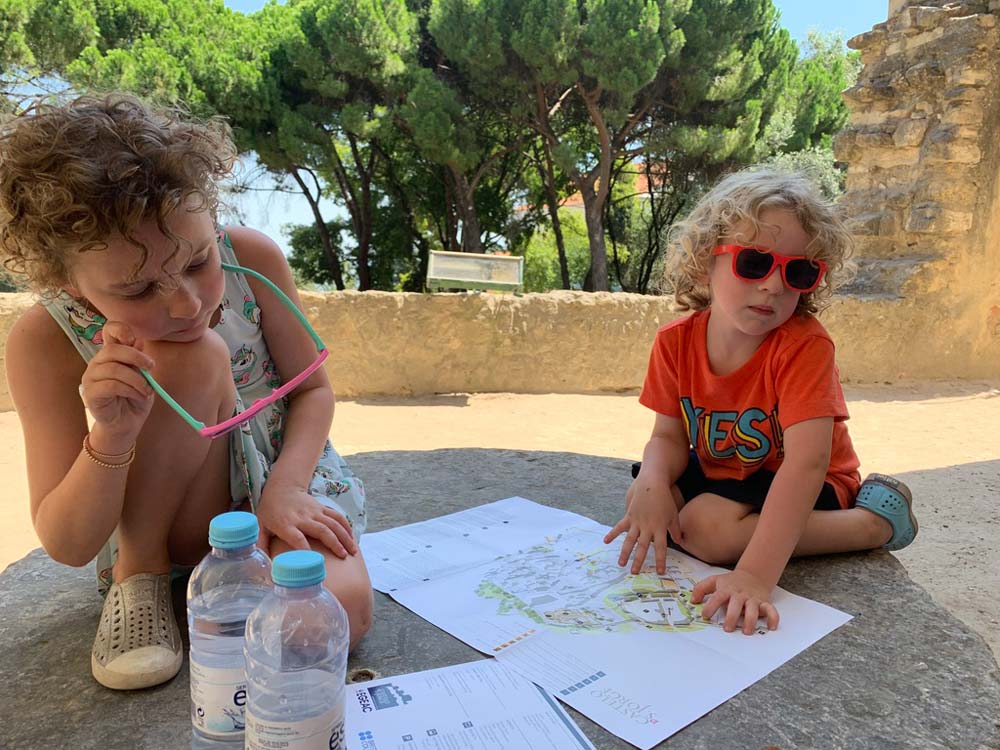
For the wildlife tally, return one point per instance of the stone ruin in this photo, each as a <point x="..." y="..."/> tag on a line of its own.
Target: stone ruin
<point x="923" y="158"/>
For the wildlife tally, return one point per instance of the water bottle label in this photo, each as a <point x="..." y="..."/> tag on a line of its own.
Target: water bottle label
<point x="317" y="733"/>
<point x="218" y="700"/>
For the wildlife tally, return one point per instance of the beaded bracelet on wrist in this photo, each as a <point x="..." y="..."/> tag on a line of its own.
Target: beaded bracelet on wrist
<point x="99" y="458"/>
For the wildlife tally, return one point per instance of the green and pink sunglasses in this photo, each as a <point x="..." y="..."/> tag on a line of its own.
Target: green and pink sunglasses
<point x="260" y="404"/>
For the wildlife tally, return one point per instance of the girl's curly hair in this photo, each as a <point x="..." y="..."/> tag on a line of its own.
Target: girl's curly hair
<point x="75" y="174"/>
<point x="742" y="197"/>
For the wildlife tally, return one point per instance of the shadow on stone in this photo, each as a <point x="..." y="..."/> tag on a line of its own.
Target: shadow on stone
<point x="903" y="673"/>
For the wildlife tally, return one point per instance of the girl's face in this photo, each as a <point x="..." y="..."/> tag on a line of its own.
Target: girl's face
<point x="175" y="293"/>
<point x="755" y="308"/>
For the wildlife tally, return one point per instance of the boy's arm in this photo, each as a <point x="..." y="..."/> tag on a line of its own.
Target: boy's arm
<point x="650" y="510"/>
<point x="791" y="499"/>
<point x="667" y="451"/>
<point x="792" y="496"/>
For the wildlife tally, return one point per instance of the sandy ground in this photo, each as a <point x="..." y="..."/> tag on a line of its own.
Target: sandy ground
<point x="940" y="438"/>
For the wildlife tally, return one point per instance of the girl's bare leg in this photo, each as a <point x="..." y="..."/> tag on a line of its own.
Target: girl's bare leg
<point x="347" y="580"/>
<point x="179" y="480"/>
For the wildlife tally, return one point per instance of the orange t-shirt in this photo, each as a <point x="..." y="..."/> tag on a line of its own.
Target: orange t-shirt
<point x="736" y="422"/>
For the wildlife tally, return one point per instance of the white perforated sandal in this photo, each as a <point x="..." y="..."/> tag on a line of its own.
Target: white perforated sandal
<point x="138" y="644"/>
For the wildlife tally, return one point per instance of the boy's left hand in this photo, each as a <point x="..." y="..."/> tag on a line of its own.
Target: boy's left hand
<point x="745" y="594"/>
<point x="289" y="512"/>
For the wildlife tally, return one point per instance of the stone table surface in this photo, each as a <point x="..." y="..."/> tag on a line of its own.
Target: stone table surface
<point x="904" y="673"/>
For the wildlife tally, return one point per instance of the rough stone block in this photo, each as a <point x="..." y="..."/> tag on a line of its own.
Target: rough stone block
<point x="910" y="132"/>
<point x="881" y="223"/>
<point x="968" y="75"/>
<point x="845" y="145"/>
<point x="963" y="114"/>
<point x="869" y="139"/>
<point x="868" y="92"/>
<point x="904" y="673"/>
<point x="867" y="224"/>
<point x="877" y="35"/>
<point x="879" y="247"/>
<point x="924" y="38"/>
<point x="949" y="185"/>
<point x="881" y="276"/>
<point x="969" y="28"/>
<point x="895" y="48"/>
<point x="872" y="55"/>
<point x="890" y="158"/>
<point x="932" y="218"/>
<point x="887" y="119"/>
<point x="929" y="18"/>
<point x="966" y="95"/>
<point x="952" y="152"/>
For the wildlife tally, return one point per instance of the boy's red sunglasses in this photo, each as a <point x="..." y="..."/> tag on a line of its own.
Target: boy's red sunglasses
<point x="801" y="274"/>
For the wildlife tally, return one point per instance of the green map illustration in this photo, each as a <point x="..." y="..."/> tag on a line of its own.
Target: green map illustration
<point x="572" y="581"/>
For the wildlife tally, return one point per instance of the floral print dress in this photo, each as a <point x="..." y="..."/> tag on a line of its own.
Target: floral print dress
<point x="254" y="447"/>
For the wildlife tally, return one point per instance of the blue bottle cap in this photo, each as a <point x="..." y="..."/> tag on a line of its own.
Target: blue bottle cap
<point x="233" y="530"/>
<point x="298" y="568"/>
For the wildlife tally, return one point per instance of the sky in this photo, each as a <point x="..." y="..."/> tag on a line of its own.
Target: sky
<point x="269" y="212"/>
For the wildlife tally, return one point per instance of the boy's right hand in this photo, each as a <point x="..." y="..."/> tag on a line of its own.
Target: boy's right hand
<point x="115" y="392"/>
<point x="650" y="514"/>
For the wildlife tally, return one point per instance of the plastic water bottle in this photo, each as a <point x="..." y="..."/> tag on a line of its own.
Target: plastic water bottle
<point x="296" y="655"/>
<point x="223" y="590"/>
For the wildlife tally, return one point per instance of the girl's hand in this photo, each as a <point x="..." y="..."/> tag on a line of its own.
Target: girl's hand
<point x="650" y="514"/>
<point x="745" y="594"/>
<point x="114" y="391"/>
<point x="288" y="511"/>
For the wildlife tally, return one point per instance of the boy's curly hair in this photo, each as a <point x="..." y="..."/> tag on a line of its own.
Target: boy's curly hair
<point x="75" y="174"/>
<point x="743" y="196"/>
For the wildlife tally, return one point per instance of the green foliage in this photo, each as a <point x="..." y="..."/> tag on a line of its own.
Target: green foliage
<point x="438" y="122"/>
<point x="812" y="106"/>
<point x="818" y="163"/>
<point x="541" y="262"/>
<point x="308" y="258"/>
<point x="425" y="119"/>
<point x="59" y="29"/>
<point x="14" y="42"/>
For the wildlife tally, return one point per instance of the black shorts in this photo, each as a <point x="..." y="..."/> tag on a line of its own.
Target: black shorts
<point x="751" y="491"/>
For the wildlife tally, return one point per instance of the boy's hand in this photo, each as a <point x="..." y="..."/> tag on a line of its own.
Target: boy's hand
<point x="745" y="594"/>
<point x="650" y="514"/>
<point x="289" y="512"/>
<point x="115" y="392"/>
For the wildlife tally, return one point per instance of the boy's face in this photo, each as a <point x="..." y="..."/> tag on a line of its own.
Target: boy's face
<point x="755" y="308"/>
<point x="173" y="296"/>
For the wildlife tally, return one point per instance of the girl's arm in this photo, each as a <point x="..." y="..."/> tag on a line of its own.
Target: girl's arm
<point x="310" y="408"/>
<point x="75" y="503"/>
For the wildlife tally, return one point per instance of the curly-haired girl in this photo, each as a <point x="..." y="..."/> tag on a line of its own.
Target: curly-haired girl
<point x="750" y="461"/>
<point x="107" y="208"/>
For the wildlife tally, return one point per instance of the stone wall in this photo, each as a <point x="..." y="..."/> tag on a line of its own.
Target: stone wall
<point x="411" y="344"/>
<point x="383" y="343"/>
<point x="923" y="166"/>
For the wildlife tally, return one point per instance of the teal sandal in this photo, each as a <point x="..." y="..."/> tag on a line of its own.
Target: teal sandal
<point x="888" y="497"/>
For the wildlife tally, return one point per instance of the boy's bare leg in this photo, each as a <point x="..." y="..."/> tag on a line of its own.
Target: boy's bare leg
<point x="718" y="530"/>
<point x="347" y="580"/>
<point x="179" y="480"/>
